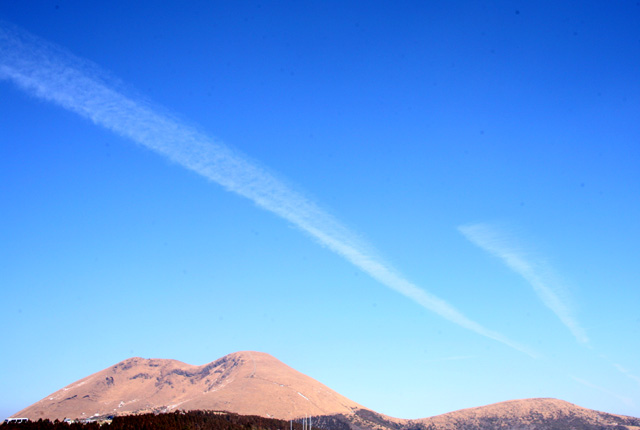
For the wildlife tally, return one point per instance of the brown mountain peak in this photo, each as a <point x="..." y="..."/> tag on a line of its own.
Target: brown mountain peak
<point x="533" y="413"/>
<point x="246" y="382"/>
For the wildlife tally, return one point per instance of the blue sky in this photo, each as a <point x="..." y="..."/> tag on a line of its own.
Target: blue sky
<point x="426" y="207"/>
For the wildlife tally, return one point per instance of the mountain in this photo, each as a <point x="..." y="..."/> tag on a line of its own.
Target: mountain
<point x="255" y="383"/>
<point x="530" y="414"/>
<point x="243" y="382"/>
<point x="527" y="414"/>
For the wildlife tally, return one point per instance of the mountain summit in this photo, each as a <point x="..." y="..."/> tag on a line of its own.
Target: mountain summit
<point x="245" y="382"/>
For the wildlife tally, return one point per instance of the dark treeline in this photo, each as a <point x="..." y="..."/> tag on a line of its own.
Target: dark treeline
<point x="191" y="420"/>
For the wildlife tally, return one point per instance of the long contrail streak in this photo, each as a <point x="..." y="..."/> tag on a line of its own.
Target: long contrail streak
<point x="49" y="72"/>
<point x="492" y="240"/>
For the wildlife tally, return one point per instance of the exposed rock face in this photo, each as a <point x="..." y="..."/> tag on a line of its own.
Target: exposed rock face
<point x="243" y="382"/>
<point x="254" y="383"/>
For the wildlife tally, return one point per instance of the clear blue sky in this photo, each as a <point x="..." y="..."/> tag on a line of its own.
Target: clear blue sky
<point x="484" y="153"/>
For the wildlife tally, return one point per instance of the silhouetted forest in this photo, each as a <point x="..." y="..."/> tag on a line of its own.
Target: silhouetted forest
<point x="211" y="420"/>
<point x="192" y="420"/>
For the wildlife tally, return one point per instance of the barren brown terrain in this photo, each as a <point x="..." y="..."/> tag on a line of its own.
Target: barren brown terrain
<point x="255" y="383"/>
<point x="243" y="382"/>
<point x="530" y="414"/>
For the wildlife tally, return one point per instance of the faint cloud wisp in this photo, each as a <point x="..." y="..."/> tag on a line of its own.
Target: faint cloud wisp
<point x="627" y="373"/>
<point x="48" y="72"/>
<point x="626" y="400"/>
<point x="499" y="244"/>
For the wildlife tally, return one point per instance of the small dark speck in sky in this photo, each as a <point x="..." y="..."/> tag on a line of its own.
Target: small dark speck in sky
<point x="517" y="12"/>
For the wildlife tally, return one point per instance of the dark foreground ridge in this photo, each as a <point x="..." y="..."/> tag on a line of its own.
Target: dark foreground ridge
<point x="217" y="420"/>
<point x="180" y="420"/>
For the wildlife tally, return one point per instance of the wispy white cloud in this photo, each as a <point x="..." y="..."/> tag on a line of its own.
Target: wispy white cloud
<point x="626" y="373"/>
<point x="501" y="245"/>
<point x="626" y="400"/>
<point x="48" y="72"/>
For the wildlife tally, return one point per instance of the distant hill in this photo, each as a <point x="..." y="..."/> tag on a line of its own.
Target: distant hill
<point x="530" y="414"/>
<point x="527" y="414"/>
<point x="255" y="383"/>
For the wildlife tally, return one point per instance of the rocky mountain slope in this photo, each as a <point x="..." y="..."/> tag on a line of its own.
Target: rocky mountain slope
<point x="251" y="383"/>
<point x="254" y="383"/>
<point x="529" y="414"/>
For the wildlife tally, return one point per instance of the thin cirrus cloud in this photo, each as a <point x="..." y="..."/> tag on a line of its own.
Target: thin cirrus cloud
<point x="49" y="72"/>
<point x="626" y="400"/>
<point x="496" y="242"/>
<point x="626" y="372"/>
